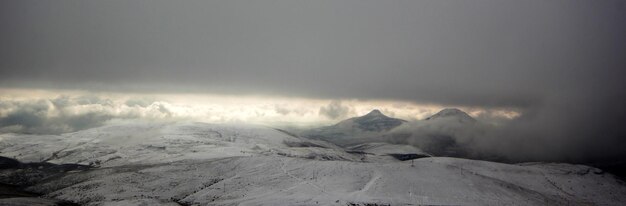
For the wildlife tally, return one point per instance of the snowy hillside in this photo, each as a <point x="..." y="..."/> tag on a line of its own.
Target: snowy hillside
<point x="277" y="180"/>
<point x="145" y="143"/>
<point x="208" y="164"/>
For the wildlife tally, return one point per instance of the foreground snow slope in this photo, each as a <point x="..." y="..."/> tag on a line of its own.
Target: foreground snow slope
<point x="206" y="164"/>
<point x="277" y="180"/>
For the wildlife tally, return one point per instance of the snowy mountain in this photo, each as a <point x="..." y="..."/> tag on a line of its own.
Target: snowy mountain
<point x="211" y="164"/>
<point x="356" y="130"/>
<point x="374" y="121"/>
<point x="451" y="114"/>
<point x="442" y="134"/>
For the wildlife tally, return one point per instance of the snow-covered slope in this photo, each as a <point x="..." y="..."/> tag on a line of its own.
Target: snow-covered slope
<point x="161" y="142"/>
<point x="277" y="180"/>
<point x="208" y="164"/>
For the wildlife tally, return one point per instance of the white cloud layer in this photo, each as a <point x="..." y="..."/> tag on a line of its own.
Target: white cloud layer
<point x="60" y="111"/>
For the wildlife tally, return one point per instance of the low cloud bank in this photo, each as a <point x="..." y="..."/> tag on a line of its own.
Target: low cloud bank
<point x="577" y="130"/>
<point x="67" y="114"/>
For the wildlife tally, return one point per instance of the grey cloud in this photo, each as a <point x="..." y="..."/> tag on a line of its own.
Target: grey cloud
<point x="482" y="53"/>
<point x="281" y="110"/>
<point x="441" y="137"/>
<point x="163" y="109"/>
<point x="66" y="114"/>
<point x="557" y="135"/>
<point x="140" y="102"/>
<point x="335" y="110"/>
<point x="35" y="118"/>
<point x="492" y="117"/>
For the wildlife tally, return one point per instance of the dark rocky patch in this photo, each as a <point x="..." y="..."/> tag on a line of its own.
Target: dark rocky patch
<point x="405" y="157"/>
<point x="13" y="172"/>
<point x="302" y="144"/>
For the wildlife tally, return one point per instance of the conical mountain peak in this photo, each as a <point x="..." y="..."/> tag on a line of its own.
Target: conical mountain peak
<point x="374" y="112"/>
<point x="375" y="121"/>
<point x="452" y="112"/>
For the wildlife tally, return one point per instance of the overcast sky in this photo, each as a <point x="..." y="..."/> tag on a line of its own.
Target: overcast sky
<point x="509" y="53"/>
<point x="561" y="63"/>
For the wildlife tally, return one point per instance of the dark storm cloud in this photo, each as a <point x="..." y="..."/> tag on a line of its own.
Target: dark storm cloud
<point x="559" y="62"/>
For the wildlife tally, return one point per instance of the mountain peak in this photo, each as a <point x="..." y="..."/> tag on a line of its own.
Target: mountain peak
<point x="375" y="112"/>
<point x="452" y="112"/>
<point x="376" y="121"/>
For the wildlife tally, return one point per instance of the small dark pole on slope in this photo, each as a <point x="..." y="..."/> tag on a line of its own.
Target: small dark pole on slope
<point x="412" y="163"/>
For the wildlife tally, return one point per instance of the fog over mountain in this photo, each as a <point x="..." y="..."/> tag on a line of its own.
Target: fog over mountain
<point x="450" y="132"/>
<point x="559" y="62"/>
